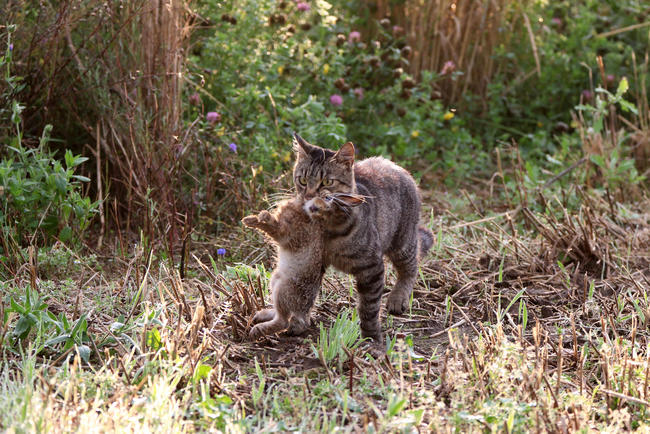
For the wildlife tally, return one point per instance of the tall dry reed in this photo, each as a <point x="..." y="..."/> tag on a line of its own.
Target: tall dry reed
<point x="463" y="32"/>
<point x="109" y="75"/>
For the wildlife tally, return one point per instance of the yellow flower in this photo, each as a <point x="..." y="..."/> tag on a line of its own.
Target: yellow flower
<point x="574" y="124"/>
<point x="286" y="156"/>
<point x="221" y="131"/>
<point x="540" y="125"/>
<point x="326" y="69"/>
<point x="415" y="134"/>
<point x="447" y="116"/>
<point x="280" y="69"/>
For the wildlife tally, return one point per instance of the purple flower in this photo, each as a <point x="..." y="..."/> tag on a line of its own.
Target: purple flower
<point x="587" y="95"/>
<point x="303" y="7"/>
<point x="213" y="117"/>
<point x="358" y="92"/>
<point x="398" y="30"/>
<point x="233" y="147"/>
<point x="448" y="67"/>
<point x="221" y="252"/>
<point x="11" y="47"/>
<point x="354" y="37"/>
<point x="195" y="99"/>
<point x="336" y="100"/>
<point x="556" y="21"/>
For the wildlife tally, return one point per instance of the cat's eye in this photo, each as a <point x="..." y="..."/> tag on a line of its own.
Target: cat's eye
<point x="328" y="182"/>
<point x="302" y="180"/>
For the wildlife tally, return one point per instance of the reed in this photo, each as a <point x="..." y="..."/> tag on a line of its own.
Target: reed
<point x="465" y="33"/>
<point x="108" y="76"/>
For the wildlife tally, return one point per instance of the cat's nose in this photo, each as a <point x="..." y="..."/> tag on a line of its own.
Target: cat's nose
<point x="313" y="208"/>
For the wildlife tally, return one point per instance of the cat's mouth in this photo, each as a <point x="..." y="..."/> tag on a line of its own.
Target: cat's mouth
<point x="317" y="206"/>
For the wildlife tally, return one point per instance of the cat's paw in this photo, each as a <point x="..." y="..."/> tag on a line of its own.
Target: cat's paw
<point x="397" y="303"/>
<point x="376" y="349"/>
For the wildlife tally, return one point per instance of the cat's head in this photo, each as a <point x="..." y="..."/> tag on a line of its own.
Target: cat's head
<point x="320" y="172"/>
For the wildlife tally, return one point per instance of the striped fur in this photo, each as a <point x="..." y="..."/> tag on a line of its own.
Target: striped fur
<point x="356" y="239"/>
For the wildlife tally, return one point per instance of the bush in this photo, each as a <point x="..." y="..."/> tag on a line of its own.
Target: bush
<point x="273" y="67"/>
<point x="41" y="196"/>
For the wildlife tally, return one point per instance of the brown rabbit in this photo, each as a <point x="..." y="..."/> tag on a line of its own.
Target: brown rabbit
<point x="295" y="282"/>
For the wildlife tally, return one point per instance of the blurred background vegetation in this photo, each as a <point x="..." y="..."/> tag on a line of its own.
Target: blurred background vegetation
<point x="184" y="110"/>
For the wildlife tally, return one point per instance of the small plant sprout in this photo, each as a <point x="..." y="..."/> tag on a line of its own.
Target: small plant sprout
<point x="343" y="334"/>
<point x="502" y="313"/>
<point x="258" y="391"/>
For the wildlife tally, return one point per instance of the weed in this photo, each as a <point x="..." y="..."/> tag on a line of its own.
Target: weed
<point x="342" y="337"/>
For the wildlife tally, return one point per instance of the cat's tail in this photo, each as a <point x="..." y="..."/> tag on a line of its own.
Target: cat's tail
<point x="425" y="241"/>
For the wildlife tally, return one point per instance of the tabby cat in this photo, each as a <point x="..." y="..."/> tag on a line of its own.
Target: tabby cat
<point x="295" y="283"/>
<point x="355" y="239"/>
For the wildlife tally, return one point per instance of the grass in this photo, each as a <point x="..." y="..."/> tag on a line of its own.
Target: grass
<point x="535" y="324"/>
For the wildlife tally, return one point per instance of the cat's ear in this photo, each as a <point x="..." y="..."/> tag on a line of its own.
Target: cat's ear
<point x="345" y="155"/>
<point x="301" y="147"/>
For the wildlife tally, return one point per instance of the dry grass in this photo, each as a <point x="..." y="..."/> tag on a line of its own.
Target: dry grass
<point x="108" y="76"/>
<point x="465" y="33"/>
<point x="530" y="320"/>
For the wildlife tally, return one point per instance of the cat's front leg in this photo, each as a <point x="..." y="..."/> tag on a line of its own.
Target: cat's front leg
<point x="370" y="286"/>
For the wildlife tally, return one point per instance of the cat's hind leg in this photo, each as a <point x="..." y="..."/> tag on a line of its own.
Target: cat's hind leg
<point x="370" y="287"/>
<point x="406" y="265"/>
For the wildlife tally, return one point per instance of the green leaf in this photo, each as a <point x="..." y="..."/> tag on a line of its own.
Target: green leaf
<point x="45" y="137"/>
<point x="201" y="372"/>
<point x="623" y="86"/>
<point x="153" y="339"/>
<point x="66" y="234"/>
<point x="57" y="340"/>
<point x="23" y="325"/>
<point x="15" y="307"/>
<point x="598" y="160"/>
<point x="84" y="352"/>
<point x="61" y="184"/>
<point x="69" y="159"/>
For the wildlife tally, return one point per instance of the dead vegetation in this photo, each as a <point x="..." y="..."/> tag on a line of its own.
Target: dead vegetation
<point x="535" y="319"/>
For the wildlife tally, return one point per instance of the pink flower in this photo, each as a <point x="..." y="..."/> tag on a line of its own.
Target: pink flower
<point x="398" y="30"/>
<point x="358" y="92"/>
<point x="336" y="100"/>
<point x="354" y="37"/>
<point x="448" y="67"/>
<point x="213" y="117"/>
<point x="303" y="7"/>
<point x="195" y="99"/>
<point x="587" y="95"/>
<point x="556" y="21"/>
